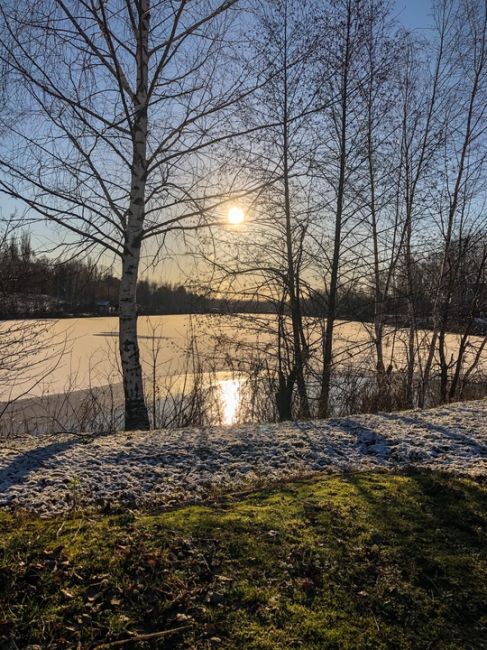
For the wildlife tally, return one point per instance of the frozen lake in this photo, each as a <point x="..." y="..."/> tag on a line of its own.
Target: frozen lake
<point x="82" y="355"/>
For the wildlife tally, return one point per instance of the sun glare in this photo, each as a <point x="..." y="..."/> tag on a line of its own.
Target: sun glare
<point x="230" y="398"/>
<point x="236" y="216"/>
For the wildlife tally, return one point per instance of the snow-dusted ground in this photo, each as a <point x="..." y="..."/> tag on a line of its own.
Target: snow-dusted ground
<point x="168" y="467"/>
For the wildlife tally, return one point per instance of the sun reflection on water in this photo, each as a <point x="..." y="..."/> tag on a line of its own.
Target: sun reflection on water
<point x="230" y="395"/>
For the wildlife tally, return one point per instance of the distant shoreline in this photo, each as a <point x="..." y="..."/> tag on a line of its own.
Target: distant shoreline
<point x="141" y="315"/>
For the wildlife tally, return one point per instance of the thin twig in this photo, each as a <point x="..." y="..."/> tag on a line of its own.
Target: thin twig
<point x="141" y="637"/>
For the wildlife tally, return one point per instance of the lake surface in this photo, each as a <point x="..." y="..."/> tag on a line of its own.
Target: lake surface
<point x="73" y="356"/>
<point x="77" y="355"/>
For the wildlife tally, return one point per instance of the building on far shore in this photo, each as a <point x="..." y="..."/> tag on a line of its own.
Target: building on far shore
<point x="104" y="308"/>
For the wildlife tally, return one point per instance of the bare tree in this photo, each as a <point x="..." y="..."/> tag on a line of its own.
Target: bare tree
<point x="358" y="153"/>
<point x="290" y="102"/>
<point x="342" y="76"/>
<point x="270" y="254"/>
<point x="376" y="186"/>
<point x="420" y="116"/>
<point x="464" y="158"/>
<point x="119" y="106"/>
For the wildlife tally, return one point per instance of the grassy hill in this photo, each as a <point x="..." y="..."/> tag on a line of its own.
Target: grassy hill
<point x="355" y="561"/>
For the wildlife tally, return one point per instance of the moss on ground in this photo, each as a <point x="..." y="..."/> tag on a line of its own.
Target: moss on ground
<point x="357" y="561"/>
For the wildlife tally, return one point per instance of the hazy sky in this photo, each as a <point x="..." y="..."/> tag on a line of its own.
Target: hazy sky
<point x="413" y="14"/>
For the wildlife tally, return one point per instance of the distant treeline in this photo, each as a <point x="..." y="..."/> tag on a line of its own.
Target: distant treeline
<point x="34" y="285"/>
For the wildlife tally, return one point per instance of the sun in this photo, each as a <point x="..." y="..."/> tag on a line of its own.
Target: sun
<point x="236" y="216"/>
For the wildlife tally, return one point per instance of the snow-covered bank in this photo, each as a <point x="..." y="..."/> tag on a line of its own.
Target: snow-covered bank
<point x="167" y="467"/>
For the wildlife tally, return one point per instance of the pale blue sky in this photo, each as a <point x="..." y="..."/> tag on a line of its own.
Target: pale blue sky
<point x="414" y="14"/>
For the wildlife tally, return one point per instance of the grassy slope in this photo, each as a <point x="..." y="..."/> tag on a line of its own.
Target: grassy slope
<point x="361" y="561"/>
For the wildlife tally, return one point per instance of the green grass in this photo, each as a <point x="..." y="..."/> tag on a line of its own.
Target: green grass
<point x="358" y="561"/>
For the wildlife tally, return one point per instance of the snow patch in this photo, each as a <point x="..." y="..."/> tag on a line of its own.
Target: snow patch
<point x="48" y="475"/>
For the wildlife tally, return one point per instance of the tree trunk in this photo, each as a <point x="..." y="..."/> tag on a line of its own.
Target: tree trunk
<point x="456" y="383"/>
<point x="458" y="366"/>
<point x="443" y="366"/>
<point x="286" y="380"/>
<point x="442" y="349"/>
<point x="382" y="384"/>
<point x="324" y="399"/>
<point x="284" y="398"/>
<point x="411" y="345"/>
<point x="297" y="373"/>
<point x="136" y="414"/>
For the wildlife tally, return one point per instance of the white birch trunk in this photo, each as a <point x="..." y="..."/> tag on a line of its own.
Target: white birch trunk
<point x="136" y="415"/>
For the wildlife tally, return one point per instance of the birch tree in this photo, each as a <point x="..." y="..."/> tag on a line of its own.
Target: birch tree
<point x="118" y="107"/>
